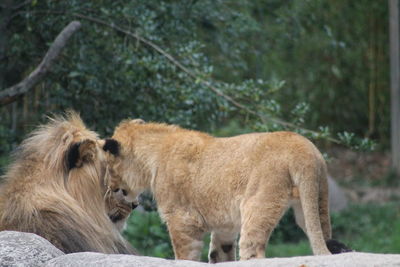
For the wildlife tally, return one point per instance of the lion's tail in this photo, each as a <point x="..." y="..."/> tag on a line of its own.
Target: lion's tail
<point x="313" y="190"/>
<point x="334" y="246"/>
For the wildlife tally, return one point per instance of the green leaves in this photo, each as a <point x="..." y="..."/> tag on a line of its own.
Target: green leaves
<point x="149" y="235"/>
<point x="276" y="62"/>
<point x="346" y="137"/>
<point x="74" y="74"/>
<point x="299" y="112"/>
<point x="349" y="139"/>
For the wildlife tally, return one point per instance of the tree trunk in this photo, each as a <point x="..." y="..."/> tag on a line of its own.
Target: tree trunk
<point x="395" y="84"/>
<point x="5" y="16"/>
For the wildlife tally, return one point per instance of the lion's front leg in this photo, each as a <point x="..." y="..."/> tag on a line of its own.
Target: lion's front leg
<point x="186" y="236"/>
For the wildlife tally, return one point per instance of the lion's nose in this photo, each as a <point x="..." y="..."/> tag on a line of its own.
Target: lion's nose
<point x="134" y="205"/>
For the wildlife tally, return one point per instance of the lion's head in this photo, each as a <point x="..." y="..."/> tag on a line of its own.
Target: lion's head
<point x="56" y="187"/>
<point x="121" y="166"/>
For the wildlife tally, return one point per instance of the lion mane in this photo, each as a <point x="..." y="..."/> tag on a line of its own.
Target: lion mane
<point x="55" y="188"/>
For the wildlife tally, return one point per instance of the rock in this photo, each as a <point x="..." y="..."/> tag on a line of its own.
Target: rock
<point x="353" y="259"/>
<point x="92" y="259"/>
<point x="25" y="249"/>
<point x="337" y="197"/>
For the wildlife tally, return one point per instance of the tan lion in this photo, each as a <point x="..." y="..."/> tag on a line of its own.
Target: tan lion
<point x="56" y="188"/>
<point x="225" y="186"/>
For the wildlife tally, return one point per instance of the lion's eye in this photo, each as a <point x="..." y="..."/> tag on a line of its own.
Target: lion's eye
<point x="124" y="192"/>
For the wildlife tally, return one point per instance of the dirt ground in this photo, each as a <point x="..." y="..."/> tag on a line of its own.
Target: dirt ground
<point x="347" y="165"/>
<point x="364" y="176"/>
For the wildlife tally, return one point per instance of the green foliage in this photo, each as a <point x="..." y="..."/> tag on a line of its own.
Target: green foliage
<point x="339" y="70"/>
<point x="149" y="235"/>
<point x="363" y="227"/>
<point x="108" y="76"/>
<point x="369" y="228"/>
<point x="301" y="248"/>
<point x="350" y="140"/>
<point x="235" y="46"/>
<point x="5" y="146"/>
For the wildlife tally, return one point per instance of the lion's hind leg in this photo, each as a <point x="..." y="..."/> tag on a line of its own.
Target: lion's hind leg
<point x="260" y="214"/>
<point x="222" y="247"/>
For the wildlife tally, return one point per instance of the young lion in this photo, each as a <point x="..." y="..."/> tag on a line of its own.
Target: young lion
<point x="225" y="186"/>
<point x="56" y="189"/>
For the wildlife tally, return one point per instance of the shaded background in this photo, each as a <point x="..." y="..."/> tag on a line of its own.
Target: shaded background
<point x="319" y="65"/>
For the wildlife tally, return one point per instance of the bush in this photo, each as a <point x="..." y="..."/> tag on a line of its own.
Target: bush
<point x="369" y="227"/>
<point x="149" y="235"/>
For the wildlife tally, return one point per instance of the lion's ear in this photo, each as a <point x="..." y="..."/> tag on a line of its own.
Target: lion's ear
<point x="79" y="153"/>
<point x="138" y="121"/>
<point x="112" y="146"/>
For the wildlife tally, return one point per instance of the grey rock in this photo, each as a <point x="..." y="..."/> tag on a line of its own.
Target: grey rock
<point x="354" y="259"/>
<point x="25" y="249"/>
<point x="92" y="259"/>
<point x="337" y="198"/>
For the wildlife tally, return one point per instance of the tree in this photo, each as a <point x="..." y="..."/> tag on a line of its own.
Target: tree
<point x="10" y="95"/>
<point x="395" y="84"/>
<point x="148" y="59"/>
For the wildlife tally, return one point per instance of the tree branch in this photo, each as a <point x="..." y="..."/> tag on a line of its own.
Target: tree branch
<point x="208" y="84"/>
<point x="10" y="94"/>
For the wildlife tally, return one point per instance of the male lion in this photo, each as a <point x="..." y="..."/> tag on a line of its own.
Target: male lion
<point x="56" y="188"/>
<point x="225" y="186"/>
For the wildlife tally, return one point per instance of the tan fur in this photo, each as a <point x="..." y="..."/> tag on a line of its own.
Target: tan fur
<point x="118" y="209"/>
<point x="225" y="186"/>
<point x="39" y="194"/>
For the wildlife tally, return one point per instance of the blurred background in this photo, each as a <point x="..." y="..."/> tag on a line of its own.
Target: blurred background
<point x="320" y="68"/>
